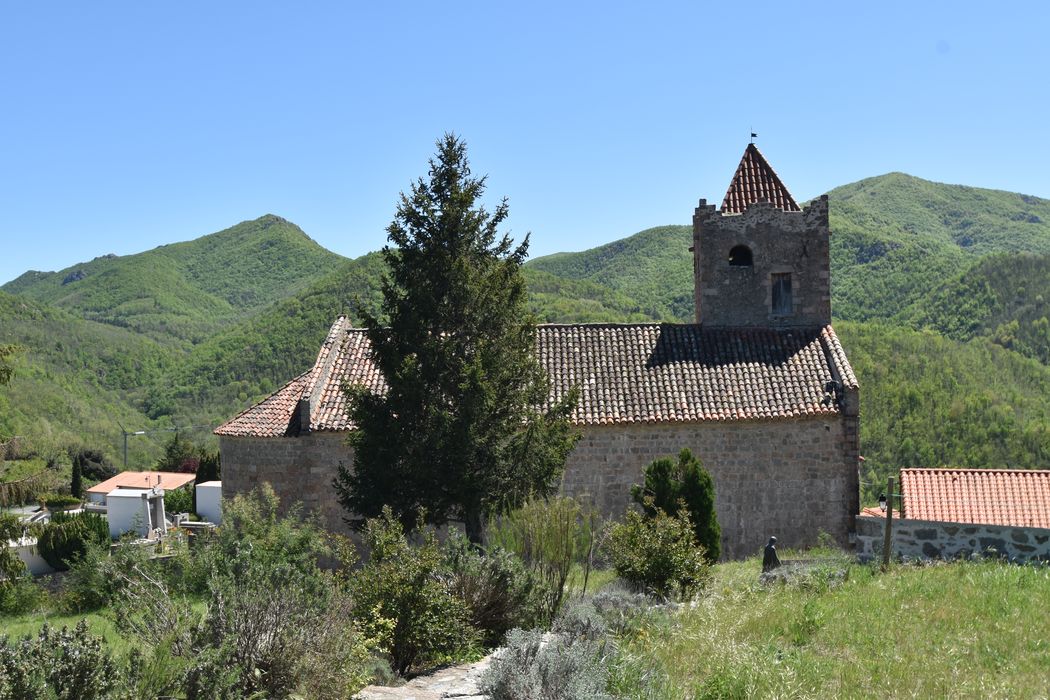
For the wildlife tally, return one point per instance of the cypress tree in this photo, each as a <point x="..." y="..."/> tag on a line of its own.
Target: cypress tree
<point x="670" y="486"/>
<point x="461" y="432"/>
<point x="76" y="484"/>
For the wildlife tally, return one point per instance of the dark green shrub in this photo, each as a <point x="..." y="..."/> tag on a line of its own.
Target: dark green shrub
<point x="92" y="463"/>
<point x="402" y="583"/>
<point x="76" y="483"/>
<point x="670" y="486"/>
<point x="61" y="664"/>
<point x="66" y="537"/>
<point x="658" y="555"/>
<point x="178" y="501"/>
<point x="11" y="566"/>
<point x="500" y="592"/>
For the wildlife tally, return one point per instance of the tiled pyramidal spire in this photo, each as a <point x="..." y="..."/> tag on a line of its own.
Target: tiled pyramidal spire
<point x="755" y="181"/>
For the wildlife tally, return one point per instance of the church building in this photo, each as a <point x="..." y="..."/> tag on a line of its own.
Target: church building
<point x="759" y="387"/>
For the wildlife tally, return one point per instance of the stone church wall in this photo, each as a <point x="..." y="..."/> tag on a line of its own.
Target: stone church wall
<point x="789" y="478"/>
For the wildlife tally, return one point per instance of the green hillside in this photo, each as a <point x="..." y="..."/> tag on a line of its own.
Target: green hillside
<point x="895" y="237"/>
<point x="654" y="268"/>
<point x="1001" y="297"/>
<point x="75" y="379"/>
<point x="187" y="291"/>
<point x="930" y="401"/>
<point x="248" y="360"/>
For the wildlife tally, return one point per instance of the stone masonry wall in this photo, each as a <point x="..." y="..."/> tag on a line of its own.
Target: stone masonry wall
<point x="780" y="241"/>
<point x="789" y="478"/>
<point x="926" y="539"/>
<point x="300" y="469"/>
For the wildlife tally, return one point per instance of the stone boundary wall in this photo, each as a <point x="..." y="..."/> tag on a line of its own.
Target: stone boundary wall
<point x="932" y="539"/>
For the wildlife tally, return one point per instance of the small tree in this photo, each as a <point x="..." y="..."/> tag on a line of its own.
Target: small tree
<point x="208" y="469"/>
<point x="670" y="485"/>
<point x="76" y="483"/>
<point x="179" y="456"/>
<point x="461" y="432"/>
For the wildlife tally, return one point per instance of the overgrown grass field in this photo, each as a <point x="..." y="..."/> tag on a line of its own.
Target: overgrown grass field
<point x="965" y="629"/>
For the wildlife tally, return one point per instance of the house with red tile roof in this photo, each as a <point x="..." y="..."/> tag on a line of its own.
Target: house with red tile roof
<point x="948" y="513"/>
<point x="1015" y="497"/>
<point x="168" y="481"/>
<point x="759" y="387"/>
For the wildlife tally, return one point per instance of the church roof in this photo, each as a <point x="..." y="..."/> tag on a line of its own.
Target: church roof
<point x="626" y="373"/>
<point x="756" y="181"/>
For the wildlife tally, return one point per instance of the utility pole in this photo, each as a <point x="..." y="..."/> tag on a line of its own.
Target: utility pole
<point x="126" y="433"/>
<point x="889" y="525"/>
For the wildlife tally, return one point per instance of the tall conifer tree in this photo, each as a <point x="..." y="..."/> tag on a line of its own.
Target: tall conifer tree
<point x="462" y="431"/>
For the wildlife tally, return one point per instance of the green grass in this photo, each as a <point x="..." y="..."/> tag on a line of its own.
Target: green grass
<point x="965" y="629"/>
<point x="100" y="623"/>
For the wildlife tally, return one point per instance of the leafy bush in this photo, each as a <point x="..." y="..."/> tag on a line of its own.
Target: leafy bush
<point x="276" y="624"/>
<point x="658" y="555"/>
<point x="671" y="486"/>
<point x="66" y="537"/>
<point x="59" y="501"/>
<point x="97" y="575"/>
<point x="553" y="669"/>
<point x="549" y="537"/>
<point x="500" y="592"/>
<point x="178" y="501"/>
<point x="62" y="664"/>
<point x="20" y="595"/>
<point x="402" y="583"/>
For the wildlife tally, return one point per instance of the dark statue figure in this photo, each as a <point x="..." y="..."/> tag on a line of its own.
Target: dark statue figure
<point x="770" y="560"/>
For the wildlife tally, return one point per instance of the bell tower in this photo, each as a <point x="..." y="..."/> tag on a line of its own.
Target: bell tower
<point x="761" y="261"/>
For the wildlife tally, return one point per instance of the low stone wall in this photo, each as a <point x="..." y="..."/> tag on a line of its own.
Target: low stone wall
<point x="930" y="539"/>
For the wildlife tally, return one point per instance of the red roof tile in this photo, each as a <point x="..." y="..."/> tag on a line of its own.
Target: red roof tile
<point x="1017" y="497"/>
<point x="142" y="480"/>
<point x="755" y="181"/>
<point x="626" y="373"/>
<point x="271" y="417"/>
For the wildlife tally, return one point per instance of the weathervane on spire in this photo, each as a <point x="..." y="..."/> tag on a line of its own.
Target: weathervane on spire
<point x="753" y="137"/>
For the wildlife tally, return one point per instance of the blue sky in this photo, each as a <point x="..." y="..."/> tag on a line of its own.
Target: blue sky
<point x="124" y="126"/>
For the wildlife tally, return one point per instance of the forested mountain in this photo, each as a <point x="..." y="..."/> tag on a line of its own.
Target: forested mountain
<point x="1001" y="296"/>
<point x="187" y="291"/>
<point x="938" y="293"/>
<point x="896" y="237"/>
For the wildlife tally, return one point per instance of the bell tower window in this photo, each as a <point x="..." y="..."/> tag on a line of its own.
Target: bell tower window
<point x="740" y="256"/>
<point x="781" y="294"/>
